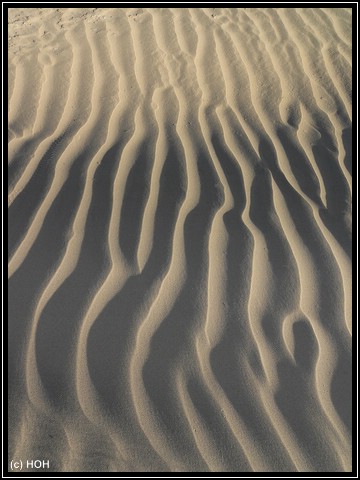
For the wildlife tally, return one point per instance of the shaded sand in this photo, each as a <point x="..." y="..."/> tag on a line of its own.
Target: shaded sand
<point x="180" y="239"/>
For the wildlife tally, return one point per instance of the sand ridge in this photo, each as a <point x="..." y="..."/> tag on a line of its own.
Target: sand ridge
<point x="180" y="239"/>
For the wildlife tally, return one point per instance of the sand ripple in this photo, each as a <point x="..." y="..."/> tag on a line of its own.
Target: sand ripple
<point x="180" y="239"/>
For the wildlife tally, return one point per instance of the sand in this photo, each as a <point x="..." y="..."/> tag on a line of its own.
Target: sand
<point x="180" y="239"/>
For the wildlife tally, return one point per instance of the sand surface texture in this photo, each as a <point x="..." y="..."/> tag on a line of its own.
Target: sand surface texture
<point x="179" y="239"/>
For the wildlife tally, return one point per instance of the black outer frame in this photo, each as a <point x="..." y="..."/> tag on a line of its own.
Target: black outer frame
<point x="354" y="473"/>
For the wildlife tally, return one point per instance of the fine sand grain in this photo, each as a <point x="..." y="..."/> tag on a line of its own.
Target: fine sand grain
<point x="180" y="239"/>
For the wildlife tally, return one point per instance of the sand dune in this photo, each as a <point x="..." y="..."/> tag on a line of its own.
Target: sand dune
<point x="180" y="239"/>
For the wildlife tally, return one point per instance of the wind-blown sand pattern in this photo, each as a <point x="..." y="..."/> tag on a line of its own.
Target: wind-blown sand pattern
<point x="180" y="239"/>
